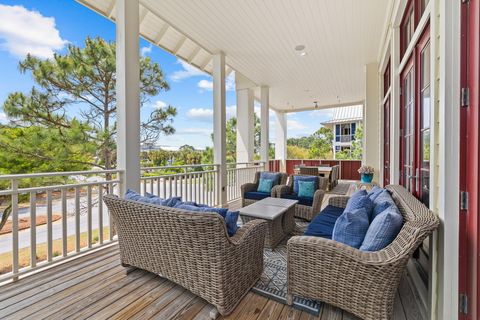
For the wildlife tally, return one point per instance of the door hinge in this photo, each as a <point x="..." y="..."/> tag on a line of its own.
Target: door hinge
<point x="463" y="200"/>
<point x="463" y="304"/>
<point x="465" y="97"/>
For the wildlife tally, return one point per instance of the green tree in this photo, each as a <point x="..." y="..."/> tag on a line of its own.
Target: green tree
<point x="82" y="83"/>
<point x="321" y="147"/>
<point x="296" y="152"/>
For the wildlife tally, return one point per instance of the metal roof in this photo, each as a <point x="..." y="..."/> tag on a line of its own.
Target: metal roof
<point x="346" y="114"/>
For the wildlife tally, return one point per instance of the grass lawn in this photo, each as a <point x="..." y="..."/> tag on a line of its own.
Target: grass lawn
<point x="24" y="253"/>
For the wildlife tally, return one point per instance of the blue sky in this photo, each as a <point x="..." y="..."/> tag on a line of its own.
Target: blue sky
<point x="43" y="27"/>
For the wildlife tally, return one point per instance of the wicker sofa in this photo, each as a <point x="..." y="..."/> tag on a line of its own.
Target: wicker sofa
<point x="191" y="249"/>
<point x="303" y="210"/>
<point x="252" y="187"/>
<point x="363" y="283"/>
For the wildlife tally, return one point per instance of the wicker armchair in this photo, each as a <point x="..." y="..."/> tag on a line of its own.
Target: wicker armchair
<point x="191" y="249"/>
<point x="310" y="171"/>
<point x="363" y="283"/>
<point x="252" y="187"/>
<point x="307" y="212"/>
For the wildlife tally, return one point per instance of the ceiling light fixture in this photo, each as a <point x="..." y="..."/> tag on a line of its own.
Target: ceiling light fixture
<point x="301" y="50"/>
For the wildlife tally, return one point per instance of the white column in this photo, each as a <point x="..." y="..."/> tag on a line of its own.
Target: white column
<point x="245" y="125"/>
<point x="264" y="124"/>
<point x="281" y="139"/>
<point x="128" y="93"/>
<point x="371" y="115"/>
<point x="219" y="119"/>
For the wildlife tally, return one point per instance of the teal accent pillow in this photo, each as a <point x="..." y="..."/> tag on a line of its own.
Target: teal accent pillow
<point x="306" y="189"/>
<point x="265" y="185"/>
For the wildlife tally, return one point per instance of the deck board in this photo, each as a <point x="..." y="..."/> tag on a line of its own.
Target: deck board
<point x="96" y="286"/>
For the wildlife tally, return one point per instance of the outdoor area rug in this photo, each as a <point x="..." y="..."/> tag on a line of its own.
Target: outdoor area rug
<point x="273" y="282"/>
<point x="340" y="189"/>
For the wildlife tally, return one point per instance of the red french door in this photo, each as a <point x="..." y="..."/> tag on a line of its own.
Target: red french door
<point x="415" y="121"/>
<point x="469" y="242"/>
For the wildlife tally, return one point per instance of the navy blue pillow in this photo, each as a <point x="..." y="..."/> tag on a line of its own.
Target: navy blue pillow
<point x="220" y="211"/>
<point x="351" y="227"/>
<point x="231" y="221"/>
<point x="304" y="178"/>
<point x="322" y="225"/>
<point x="275" y="176"/>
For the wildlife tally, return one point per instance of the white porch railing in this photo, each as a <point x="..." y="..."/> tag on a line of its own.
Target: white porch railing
<point x="75" y="198"/>
<point x="196" y="183"/>
<point x="238" y="174"/>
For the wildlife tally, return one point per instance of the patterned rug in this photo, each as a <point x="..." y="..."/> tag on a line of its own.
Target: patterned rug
<point x="340" y="189"/>
<point x="273" y="283"/>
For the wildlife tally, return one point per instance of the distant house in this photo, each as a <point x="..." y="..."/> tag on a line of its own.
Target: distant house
<point x="344" y="123"/>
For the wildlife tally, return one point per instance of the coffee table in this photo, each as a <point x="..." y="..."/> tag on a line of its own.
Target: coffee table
<point x="279" y="214"/>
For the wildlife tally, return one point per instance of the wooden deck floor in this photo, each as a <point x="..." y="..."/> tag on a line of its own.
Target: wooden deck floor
<point x="96" y="286"/>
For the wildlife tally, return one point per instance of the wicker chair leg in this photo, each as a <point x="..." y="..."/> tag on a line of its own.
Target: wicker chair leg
<point x="214" y="314"/>
<point x="289" y="299"/>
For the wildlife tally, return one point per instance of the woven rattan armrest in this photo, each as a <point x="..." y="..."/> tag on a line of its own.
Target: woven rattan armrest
<point x="251" y="228"/>
<point x="282" y="190"/>
<point x="336" y="252"/>
<point x="338" y="201"/>
<point x="248" y="187"/>
<point x="317" y="201"/>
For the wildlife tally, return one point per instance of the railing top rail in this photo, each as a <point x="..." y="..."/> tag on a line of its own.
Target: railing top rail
<point x="57" y="187"/>
<point x="181" y="166"/>
<point x="56" y="174"/>
<point x="176" y="175"/>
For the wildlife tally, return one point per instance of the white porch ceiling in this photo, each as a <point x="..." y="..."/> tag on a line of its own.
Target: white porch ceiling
<point x="259" y="37"/>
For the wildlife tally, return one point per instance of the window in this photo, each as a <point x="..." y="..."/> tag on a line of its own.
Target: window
<point x="345" y="132"/>
<point x="413" y="14"/>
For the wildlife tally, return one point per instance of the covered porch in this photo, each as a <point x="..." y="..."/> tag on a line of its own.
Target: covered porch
<point x="289" y="57"/>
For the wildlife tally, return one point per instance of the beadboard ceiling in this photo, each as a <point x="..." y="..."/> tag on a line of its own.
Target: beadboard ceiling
<point x="259" y="37"/>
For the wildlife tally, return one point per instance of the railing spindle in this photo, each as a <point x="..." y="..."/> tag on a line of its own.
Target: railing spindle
<point x="63" y="195"/>
<point x="49" y="227"/>
<point x="77" y="219"/>
<point x="33" y="229"/>
<point x="15" y="258"/>
<point x="89" y="217"/>
<point x="100" y="213"/>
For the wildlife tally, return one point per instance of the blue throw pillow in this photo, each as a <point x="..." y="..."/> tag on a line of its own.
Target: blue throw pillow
<point x="152" y="199"/>
<point x="230" y="217"/>
<point x="265" y="185"/>
<point x="274" y="176"/>
<point x="383" y="196"/>
<point x="383" y="230"/>
<point x="220" y="211"/>
<point x="358" y="202"/>
<point x="303" y="178"/>
<point x="306" y="189"/>
<point x="231" y="222"/>
<point x="351" y="227"/>
<point x="379" y="208"/>
<point x="374" y="193"/>
<point x="359" y="193"/>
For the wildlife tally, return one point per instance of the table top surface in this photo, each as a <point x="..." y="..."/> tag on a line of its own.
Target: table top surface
<point x="268" y="208"/>
<point x="320" y="168"/>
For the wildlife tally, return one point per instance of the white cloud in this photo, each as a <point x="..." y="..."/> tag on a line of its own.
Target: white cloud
<point x="3" y="117"/>
<point x="295" y="125"/>
<point x="187" y="71"/>
<point x="23" y="31"/>
<point x="194" y="131"/>
<point x="146" y="50"/>
<point x="202" y="114"/>
<point x="207" y="85"/>
<point x="206" y="114"/>
<point x="159" y="104"/>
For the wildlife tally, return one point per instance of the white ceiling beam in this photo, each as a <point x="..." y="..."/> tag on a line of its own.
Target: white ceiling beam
<point x="323" y="107"/>
<point x="111" y="9"/>
<point x="205" y="62"/>
<point x="228" y="70"/>
<point x="179" y="45"/>
<point x="143" y="14"/>
<point x="194" y="54"/>
<point x="161" y="33"/>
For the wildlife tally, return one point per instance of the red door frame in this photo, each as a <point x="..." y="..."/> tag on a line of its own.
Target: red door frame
<point x="469" y="267"/>
<point x="386" y="124"/>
